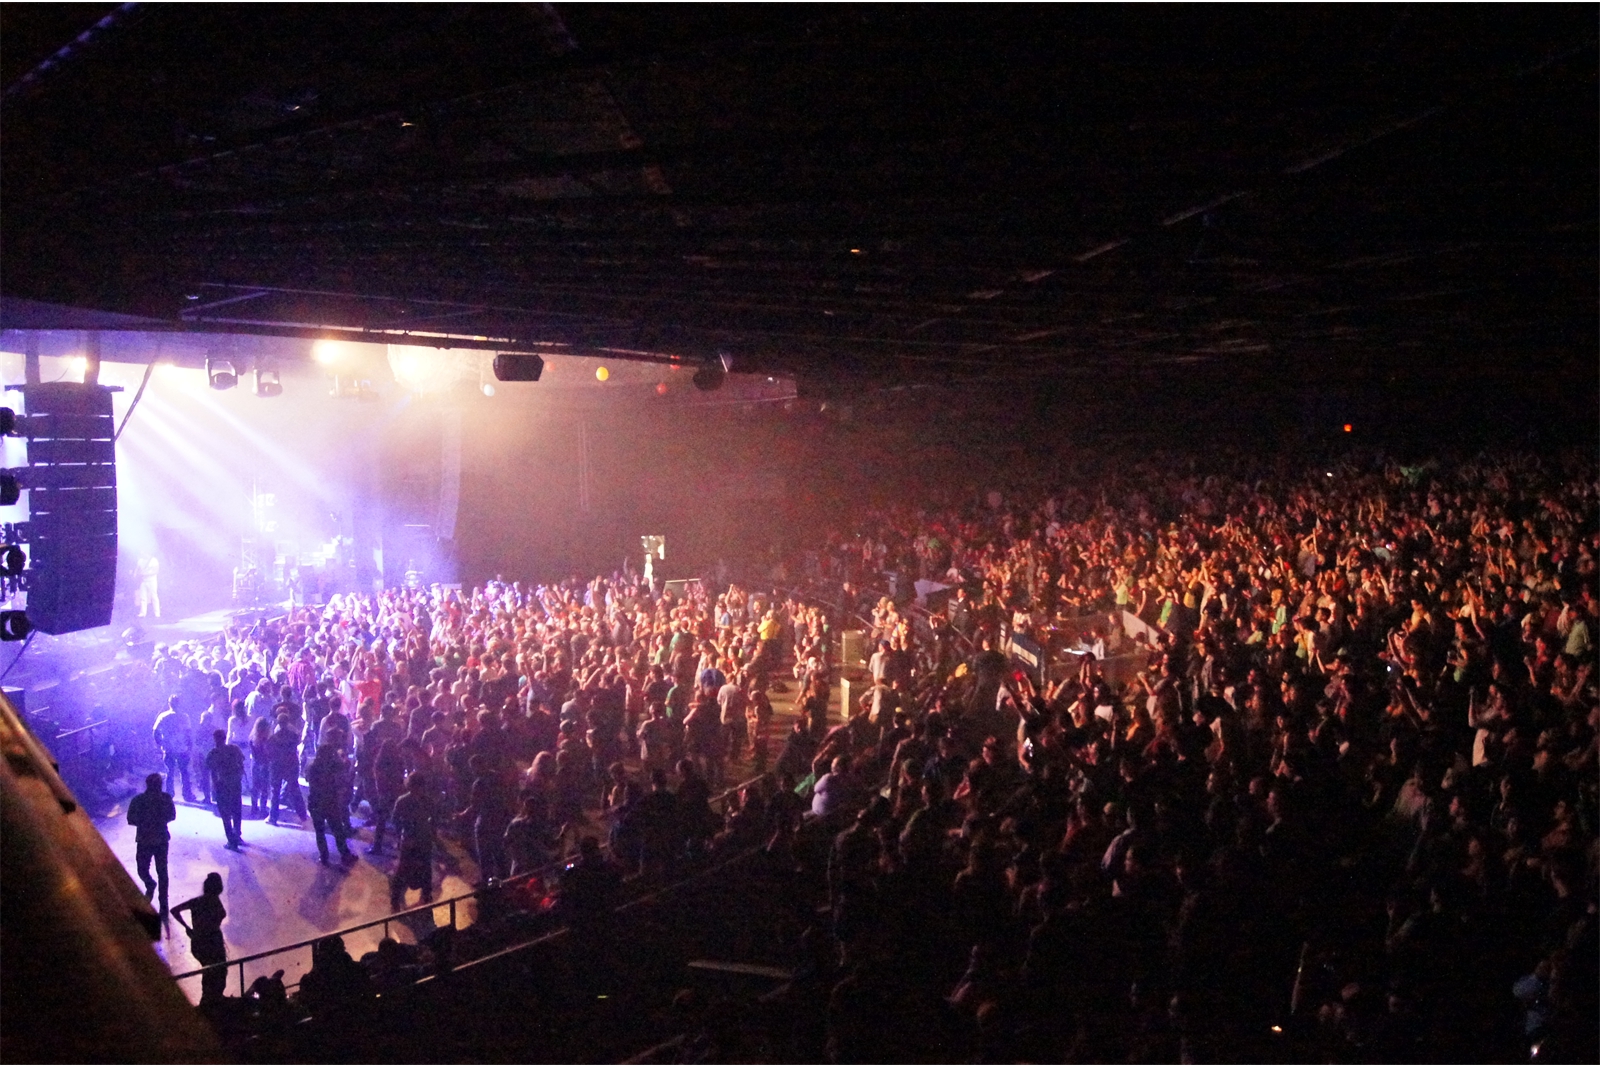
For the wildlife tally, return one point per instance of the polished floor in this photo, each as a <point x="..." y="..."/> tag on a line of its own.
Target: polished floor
<point x="278" y="893"/>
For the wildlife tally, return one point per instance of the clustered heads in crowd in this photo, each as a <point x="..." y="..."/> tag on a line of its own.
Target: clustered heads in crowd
<point x="1313" y="745"/>
<point x="504" y="714"/>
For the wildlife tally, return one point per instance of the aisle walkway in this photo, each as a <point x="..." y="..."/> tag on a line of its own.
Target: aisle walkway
<point x="277" y="892"/>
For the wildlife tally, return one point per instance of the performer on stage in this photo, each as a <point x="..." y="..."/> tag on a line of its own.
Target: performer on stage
<point x="147" y="597"/>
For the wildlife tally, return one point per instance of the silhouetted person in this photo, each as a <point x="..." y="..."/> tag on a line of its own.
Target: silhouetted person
<point x="488" y="815"/>
<point x="334" y="979"/>
<point x="389" y="778"/>
<point x="589" y="887"/>
<point x="150" y="812"/>
<point x="528" y="840"/>
<point x="327" y="777"/>
<point x="225" y="766"/>
<point x="205" y="936"/>
<point x="413" y="821"/>
<point x="283" y="753"/>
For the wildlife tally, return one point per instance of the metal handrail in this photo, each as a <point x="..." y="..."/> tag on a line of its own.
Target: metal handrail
<point x="654" y="894"/>
<point x="69" y="733"/>
<point x="845" y="616"/>
<point x="451" y="903"/>
<point x="384" y="922"/>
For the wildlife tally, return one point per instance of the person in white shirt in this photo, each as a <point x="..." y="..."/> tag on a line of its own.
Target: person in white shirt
<point x="148" y="597"/>
<point x="733" y="701"/>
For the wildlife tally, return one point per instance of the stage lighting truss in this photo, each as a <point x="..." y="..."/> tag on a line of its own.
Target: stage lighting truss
<point x="709" y="377"/>
<point x="220" y="373"/>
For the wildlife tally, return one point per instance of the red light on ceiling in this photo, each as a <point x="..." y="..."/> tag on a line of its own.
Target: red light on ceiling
<point x="1347" y="427"/>
<point x="661" y="388"/>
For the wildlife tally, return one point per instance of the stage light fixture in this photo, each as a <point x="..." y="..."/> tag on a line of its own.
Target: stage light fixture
<point x="268" y="383"/>
<point x="709" y="377"/>
<point x="10" y="489"/>
<point x="349" y="387"/>
<point x="12" y="561"/>
<point x="517" y="366"/>
<point x="14" y="626"/>
<point x="220" y="373"/>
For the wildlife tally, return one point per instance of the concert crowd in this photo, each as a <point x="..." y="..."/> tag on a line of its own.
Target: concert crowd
<point x="1302" y="763"/>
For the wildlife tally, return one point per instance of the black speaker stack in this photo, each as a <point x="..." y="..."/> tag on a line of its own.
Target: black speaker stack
<point x="71" y="482"/>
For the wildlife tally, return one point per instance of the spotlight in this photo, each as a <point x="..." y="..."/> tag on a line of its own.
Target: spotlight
<point x="14" y="626"/>
<point x="12" y="561"/>
<point x="517" y="366"/>
<point x="10" y="489"/>
<point x="268" y="383"/>
<point x="349" y="387"/>
<point x="221" y="373"/>
<point x="601" y="374"/>
<point x="488" y="389"/>
<point x="709" y="377"/>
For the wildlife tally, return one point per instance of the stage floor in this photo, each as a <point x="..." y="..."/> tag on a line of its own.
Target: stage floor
<point x="277" y="892"/>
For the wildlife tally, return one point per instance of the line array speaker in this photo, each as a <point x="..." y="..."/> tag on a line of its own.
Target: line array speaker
<point x="71" y="481"/>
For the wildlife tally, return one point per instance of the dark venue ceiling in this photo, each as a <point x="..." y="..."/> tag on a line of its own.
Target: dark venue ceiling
<point x="862" y="194"/>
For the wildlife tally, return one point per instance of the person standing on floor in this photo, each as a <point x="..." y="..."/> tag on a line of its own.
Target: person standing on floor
<point x="225" y="769"/>
<point x="326" y="777"/>
<point x="172" y="732"/>
<point x="149" y="813"/>
<point x="389" y="775"/>
<point x="260" y="768"/>
<point x="283" y="749"/>
<point x="413" y="821"/>
<point x="205" y="936"/>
